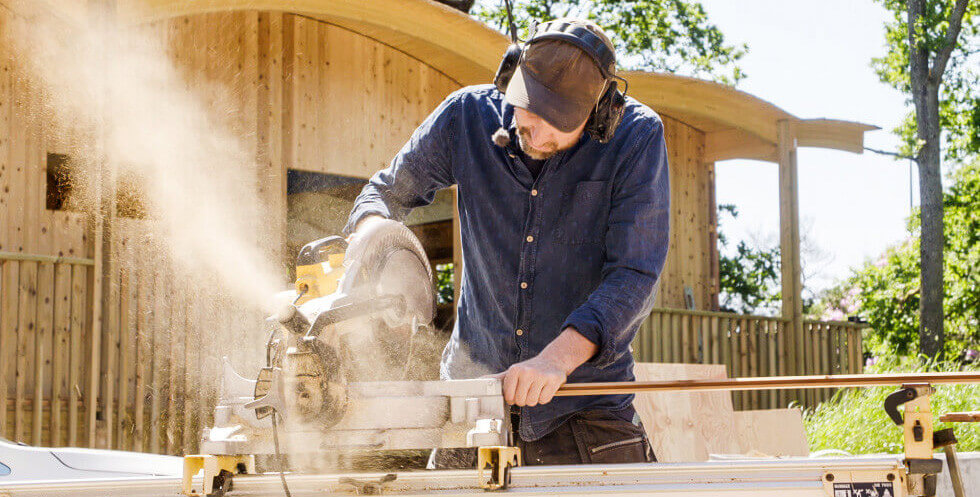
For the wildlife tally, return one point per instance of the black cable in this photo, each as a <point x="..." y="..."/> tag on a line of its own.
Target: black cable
<point x="275" y="442"/>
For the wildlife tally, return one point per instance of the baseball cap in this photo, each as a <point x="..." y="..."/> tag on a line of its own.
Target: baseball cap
<point x="558" y="80"/>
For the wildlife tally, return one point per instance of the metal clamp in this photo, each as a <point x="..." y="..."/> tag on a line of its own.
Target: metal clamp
<point x="217" y="473"/>
<point x="499" y="460"/>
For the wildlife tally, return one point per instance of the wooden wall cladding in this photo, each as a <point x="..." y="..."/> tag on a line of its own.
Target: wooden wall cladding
<point x="26" y="226"/>
<point x="355" y="101"/>
<point x="689" y="261"/>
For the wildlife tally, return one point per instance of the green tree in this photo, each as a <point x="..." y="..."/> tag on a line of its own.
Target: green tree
<point x="748" y="276"/>
<point x="659" y="35"/>
<point x="886" y="292"/>
<point x="930" y="47"/>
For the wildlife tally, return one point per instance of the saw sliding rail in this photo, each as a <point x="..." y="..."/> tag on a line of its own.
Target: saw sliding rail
<point x="768" y="383"/>
<point x="743" y="478"/>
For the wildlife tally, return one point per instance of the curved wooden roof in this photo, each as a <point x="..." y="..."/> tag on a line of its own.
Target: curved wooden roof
<point x="736" y="124"/>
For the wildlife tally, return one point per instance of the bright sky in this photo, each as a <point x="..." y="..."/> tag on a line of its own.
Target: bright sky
<point x="812" y="58"/>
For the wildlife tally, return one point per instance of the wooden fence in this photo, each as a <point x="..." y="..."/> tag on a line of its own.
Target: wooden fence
<point x="44" y="349"/>
<point x="752" y="346"/>
<point x="148" y="380"/>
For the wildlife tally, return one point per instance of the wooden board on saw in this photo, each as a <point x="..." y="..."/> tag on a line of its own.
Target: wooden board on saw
<point x="682" y="426"/>
<point x="773" y="432"/>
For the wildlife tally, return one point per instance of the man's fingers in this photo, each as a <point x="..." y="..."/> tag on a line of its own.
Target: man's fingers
<point x="548" y="392"/>
<point x="525" y="380"/>
<point x="510" y="385"/>
<point x="534" y="393"/>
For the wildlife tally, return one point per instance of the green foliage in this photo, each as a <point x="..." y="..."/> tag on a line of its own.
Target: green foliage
<point x="444" y="283"/>
<point x="657" y="35"/>
<point x="749" y="277"/>
<point x="885" y="292"/>
<point x="959" y="112"/>
<point x="832" y="424"/>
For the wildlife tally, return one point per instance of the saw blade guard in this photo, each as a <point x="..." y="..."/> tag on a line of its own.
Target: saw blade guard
<point x="389" y="262"/>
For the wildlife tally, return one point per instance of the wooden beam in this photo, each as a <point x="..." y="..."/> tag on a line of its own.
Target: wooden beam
<point x="789" y="245"/>
<point x="831" y="133"/>
<point x="733" y="143"/>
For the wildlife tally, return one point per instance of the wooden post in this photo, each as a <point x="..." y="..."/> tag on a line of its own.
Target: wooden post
<point x="789" y="246"/>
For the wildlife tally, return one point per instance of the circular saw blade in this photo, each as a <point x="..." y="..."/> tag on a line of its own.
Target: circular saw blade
<point x="390" y="261"/>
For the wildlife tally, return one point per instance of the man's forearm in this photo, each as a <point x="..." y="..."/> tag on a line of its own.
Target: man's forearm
<point x="570" y="350"/>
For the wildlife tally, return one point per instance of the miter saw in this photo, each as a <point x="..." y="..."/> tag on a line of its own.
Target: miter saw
<point x="335" y="360"/>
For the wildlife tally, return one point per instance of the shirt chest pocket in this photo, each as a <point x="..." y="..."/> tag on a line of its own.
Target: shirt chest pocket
<point x="583" y="213"/>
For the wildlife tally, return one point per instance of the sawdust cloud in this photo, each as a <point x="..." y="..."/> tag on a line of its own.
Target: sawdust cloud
<point x="113" y="96"/>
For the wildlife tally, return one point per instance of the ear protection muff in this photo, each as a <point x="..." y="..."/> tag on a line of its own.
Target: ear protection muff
<point x="607" y="114"/>
<point x="508" y="65"/>
<point x="611" y="103"/>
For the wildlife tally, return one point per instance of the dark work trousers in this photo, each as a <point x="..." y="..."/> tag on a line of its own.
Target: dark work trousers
<point x="594" y="436"/>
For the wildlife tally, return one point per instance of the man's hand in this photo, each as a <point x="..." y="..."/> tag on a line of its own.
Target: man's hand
<point x="536" y="380"/>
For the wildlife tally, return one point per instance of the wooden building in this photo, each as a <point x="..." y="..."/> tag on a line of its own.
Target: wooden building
<point x="327" y="91"/>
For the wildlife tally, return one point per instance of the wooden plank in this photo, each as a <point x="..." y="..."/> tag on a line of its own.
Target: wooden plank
<point x="783" y="396"/>
<point x="123" y="423"/>
<point x="8" y="187"/>
<point x="79" y="283"/>
<point x="144" y="295"/>
<point x="665" y="340"/>
<point x="111" y="331"/>
<point x="42" y="350"/>
<point x="676" y="345"/>
<point x="26" y="326"/>
<point x="159" y="340"/>
<point x="772" y="432"/>
<point x="686" y="345"/>
<point x="716" y="339"/>
<point x="772" y="368"/>
<point x="8" y="337"/>
<point x="61" y="344"/>
<point x="683" y="426"/>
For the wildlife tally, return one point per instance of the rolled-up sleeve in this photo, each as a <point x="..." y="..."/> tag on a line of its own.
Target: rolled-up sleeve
<point x="636" y="250"/>
<point x="423" y="166"/>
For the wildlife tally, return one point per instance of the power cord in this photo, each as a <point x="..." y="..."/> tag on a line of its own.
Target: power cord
<point x="275" y="442"/>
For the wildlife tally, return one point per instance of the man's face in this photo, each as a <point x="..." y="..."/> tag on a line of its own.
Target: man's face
<point x="540" y="140"/>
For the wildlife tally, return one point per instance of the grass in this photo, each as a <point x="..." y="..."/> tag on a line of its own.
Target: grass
<point x="855" y="420"/>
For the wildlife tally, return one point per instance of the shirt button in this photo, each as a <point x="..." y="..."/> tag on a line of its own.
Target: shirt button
<point x="520" y="332"/>
<point x="523" y="284"/>
<point x="534" y="193"/>
<point x="530" y="238"/>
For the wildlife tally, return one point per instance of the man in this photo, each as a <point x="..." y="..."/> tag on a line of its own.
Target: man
<point x="563" y="240"/>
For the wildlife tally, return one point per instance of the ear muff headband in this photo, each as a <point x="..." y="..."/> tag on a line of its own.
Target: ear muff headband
<point x="582" y="37"/>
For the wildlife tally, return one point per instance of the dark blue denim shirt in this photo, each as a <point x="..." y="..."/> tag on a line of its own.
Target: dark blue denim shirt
<point x="589" y="238"/>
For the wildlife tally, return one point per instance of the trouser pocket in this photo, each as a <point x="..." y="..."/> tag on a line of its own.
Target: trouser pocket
<point x="605" y="438"/>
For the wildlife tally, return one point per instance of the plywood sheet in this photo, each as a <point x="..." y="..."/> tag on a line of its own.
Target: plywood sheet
<point x="774" y="432"/>
<point x="686" y="427"/>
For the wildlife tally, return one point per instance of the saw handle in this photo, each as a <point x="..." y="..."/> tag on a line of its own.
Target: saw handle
<point x="311" y="252"/>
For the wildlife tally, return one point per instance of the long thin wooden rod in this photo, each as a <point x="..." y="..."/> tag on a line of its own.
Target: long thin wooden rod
<point x="768" y="383"/>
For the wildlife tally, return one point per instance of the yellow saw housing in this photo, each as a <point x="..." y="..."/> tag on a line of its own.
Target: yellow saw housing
<point x="319" y="268"/>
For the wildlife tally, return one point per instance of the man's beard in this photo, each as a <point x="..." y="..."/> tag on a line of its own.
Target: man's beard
<point x="524" y="138"/>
